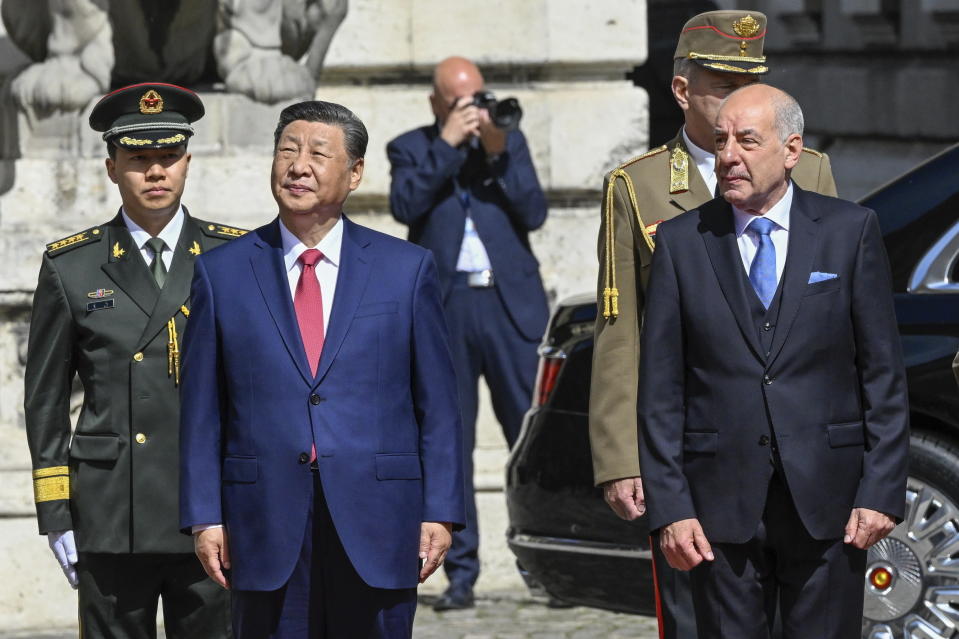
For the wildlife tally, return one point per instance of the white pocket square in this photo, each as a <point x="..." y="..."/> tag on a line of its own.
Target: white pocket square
<point x="817" y="276"/>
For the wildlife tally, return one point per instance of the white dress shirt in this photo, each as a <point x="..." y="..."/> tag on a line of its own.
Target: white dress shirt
<point x="749" y="241"/>
<point x="326" y="269"/>
<point x="170" y="236"/>
<point x="705" y="162"/>
<point x="473" y="257"/>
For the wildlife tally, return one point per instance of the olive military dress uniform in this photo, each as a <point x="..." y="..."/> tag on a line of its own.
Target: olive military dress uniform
<point x="100" y="314"/>
<point x="638" y="195"/>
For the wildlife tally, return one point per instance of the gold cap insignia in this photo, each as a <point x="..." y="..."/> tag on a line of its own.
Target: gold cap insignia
<point x="117" y="251"/>
<point x="746" y="27"/>
<point x="195" y="249"/>
<point x="151" y="103"/>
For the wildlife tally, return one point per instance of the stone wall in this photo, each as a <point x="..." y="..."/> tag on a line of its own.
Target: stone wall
<point x="566" y="61"/>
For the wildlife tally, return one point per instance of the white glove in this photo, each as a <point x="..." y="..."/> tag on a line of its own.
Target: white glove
<point x="65" y="550"/>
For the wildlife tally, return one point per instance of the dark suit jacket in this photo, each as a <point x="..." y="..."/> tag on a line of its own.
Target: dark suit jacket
<point x="832" y="388"/>
<point x="381" y="409"/>
<point x="506" y="203"/>
<point x="99" y="315"/>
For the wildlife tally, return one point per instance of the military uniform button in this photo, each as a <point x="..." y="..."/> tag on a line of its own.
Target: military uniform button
<point x="764" y="440"/>
<point x="304" y="457"/>
<point x="138" y="357"/>
<point x="141" y="438"/>
<point x="767" y="326"/>
<point x="315" y="399"/>
<point x="767" y="380"/>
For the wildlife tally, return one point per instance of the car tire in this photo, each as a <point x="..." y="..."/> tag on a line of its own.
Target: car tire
<point x="912" y="579"/>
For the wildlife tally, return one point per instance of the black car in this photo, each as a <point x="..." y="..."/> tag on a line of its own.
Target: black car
<point x="567" y="540"/>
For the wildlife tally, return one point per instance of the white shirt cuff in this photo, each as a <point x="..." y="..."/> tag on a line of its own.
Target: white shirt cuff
<point x="201" y="527"/>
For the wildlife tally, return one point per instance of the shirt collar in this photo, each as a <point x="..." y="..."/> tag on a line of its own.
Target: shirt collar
<point x="779" y="213"/>
<point x="329" y="246"/>
<point x="705" y="160"/>
<point x="170" y="233"/>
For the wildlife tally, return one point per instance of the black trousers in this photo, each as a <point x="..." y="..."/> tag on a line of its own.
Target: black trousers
<point x="324" y="598"/>
<point x="484" y="341"/>
<point x="818" y="584"/>
<point x="118" y="597"/>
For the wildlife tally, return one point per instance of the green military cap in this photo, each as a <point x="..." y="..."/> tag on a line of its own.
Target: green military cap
<point x="727" y="41"/>
<point x="150" y="115"/>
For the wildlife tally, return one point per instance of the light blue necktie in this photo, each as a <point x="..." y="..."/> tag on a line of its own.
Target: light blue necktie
<point x="762" y="272"/>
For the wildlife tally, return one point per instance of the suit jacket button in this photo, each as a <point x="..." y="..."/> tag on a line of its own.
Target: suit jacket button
<point x="767" y="380"/>
<point x="767" y="326"/>
<point x="764" y="440"/>
<point x="304" y="457"/>
<point x="138" y="357"/>
<point x="315" y="399"/>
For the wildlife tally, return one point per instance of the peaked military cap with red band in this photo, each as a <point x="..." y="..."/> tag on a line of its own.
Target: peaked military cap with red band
<point x="151" y="115"/>
<point x="725" y="41"/>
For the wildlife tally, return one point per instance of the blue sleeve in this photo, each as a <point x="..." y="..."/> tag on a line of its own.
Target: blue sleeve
<point x="436" y="404"/>
<point x="201" y="415"/>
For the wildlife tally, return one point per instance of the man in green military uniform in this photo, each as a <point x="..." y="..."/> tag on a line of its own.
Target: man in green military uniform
<point x="717" y="52"/>
<point x="110" y="306"/>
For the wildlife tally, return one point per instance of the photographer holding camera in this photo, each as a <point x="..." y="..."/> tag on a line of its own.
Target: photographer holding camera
<point x="467" y="189"/>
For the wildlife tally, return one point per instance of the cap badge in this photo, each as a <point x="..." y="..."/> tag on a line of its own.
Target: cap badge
<point x="746" y="27"/>
<point x="152" y="103"/>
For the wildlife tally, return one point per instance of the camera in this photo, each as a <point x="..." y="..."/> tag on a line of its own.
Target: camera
<point x="505" y="113"/>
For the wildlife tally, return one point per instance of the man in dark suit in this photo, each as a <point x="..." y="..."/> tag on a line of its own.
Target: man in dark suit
<point x="468" y="191"/>
<point x="320" y="435"/>
<point x="110" y="305"/>
<point x="774" y="433"/>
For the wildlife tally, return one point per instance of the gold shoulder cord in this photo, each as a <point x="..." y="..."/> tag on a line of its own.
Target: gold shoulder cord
<point x="173" y="347"/>
<point x="610" y="292"/>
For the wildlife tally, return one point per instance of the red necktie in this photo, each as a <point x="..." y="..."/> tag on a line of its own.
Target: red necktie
<point x="308" y="303"/>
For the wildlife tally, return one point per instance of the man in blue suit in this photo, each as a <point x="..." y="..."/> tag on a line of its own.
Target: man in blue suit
<point x="468" y="192"/>
<point x="320" y="432"/>
<point x="774" y="412"/>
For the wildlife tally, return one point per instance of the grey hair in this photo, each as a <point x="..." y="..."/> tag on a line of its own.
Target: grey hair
<point x="787" y="114"/>
<point x="355" y="137"/>
<point x="789" y="118"/>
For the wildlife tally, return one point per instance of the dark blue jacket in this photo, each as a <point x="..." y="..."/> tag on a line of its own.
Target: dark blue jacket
<point x="382" y="408"/>
<point x="832" y="389"/>
<point x="506" y="203"/>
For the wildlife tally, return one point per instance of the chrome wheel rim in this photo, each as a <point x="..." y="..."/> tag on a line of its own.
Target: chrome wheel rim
<point x="912" y="576"/>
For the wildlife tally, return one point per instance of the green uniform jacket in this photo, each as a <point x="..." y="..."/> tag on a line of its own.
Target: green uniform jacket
<point x="638" y="195"/>
<point x="98" y="314"/>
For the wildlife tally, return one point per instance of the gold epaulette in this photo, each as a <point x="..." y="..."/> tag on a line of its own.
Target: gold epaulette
<point x="222" y="231"/>
<point x="50" y="484"/>
<point x="658" y="149"/>
<point x="93" y="234"/>
<point x="812" y="151"/>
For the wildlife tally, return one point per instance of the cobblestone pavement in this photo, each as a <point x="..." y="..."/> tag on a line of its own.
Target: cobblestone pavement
<point x="507" y="615"/>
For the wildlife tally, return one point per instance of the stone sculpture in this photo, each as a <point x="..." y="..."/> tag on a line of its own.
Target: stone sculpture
<point x="81" y="47"/>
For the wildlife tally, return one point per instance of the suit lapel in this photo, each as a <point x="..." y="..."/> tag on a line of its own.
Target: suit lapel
<point x="351" y="280"/>
<point x="803" y="246"/>
<point x="271" y="277"/>
<point x="126" y="267"/>
<point x="719" y="235"/>
<point x="176" y="288"/>
<point x="696" y="192"/>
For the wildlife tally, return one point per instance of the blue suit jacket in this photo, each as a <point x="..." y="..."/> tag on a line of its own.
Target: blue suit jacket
<point x="832" y="386"/>
<point x="506" y="203"/>
<point x="382" y="408"/>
